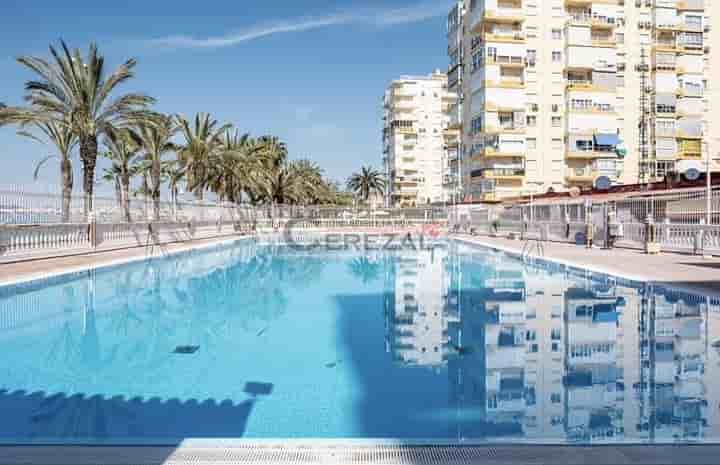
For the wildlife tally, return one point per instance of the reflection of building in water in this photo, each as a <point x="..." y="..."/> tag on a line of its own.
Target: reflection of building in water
<point x="553" y="354"/>
<point x="672" y="352"/>
<point x="419" y="331"/>
<point x="593" y="364"/>
<point x="545" y="354"/>
<point x="505" y="344"/>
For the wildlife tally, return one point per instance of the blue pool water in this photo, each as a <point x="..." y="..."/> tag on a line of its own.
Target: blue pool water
<point x="455" y="343"/>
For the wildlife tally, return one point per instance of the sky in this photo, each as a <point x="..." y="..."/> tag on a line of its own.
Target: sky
<point x="312" y="72"/>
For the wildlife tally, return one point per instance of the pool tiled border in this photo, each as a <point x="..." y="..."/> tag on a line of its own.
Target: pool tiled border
<point x="35" y="281"/>
<point x="596" y="273"/>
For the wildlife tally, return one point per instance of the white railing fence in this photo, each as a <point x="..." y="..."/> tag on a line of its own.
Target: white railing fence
<point x="684" y="221"/>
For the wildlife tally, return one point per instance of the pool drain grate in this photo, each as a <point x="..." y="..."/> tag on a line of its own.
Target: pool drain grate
<point x="186" y="350"/>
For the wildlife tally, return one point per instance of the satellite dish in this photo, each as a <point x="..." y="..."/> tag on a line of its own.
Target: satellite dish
<point x="603" y="183"/>
<point x="574" y="192"/>
<point x="692" y="174"/>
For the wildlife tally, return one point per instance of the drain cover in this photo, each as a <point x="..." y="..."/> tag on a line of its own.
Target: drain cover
<point x="186" y="349"/>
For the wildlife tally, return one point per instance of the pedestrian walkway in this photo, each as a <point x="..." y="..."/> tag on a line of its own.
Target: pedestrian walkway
<point x="686" y="272"/>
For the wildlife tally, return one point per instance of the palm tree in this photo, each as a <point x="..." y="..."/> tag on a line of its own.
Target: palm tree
<point x="202" y="141"/>
<point x="234" y="167"/>
<point x="366" y="182"/>
<point x="62" y="137"/>
<point x="173" y="173"/>
<point x="155" y="137"/>
<point x="123" y="149"/>
<point x="78" y="90"/>
<point x="311" y="186"/>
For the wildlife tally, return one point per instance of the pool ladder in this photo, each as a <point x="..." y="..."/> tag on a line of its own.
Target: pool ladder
<point x="531" y="245"/>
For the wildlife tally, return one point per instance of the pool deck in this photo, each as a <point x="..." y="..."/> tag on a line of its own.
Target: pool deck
<point x="11" y="273"/>
<point x="684" y="272"/>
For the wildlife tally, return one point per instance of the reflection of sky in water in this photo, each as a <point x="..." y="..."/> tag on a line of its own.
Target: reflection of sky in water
<point x="453" y="343"/>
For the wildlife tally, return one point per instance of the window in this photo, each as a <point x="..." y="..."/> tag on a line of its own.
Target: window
<point x="476" y="125"/>
<point x="693" y="22"/>
<point x="477" y="61"/>
<point x="555" y="398"/>
<point x="556" y="56"/>
<point x="531" y="58"/>
<point x="555" y="334"/>
<point x="531" y="121"/>
<point x="556" y="121"/>
<point x="584" y="145"/>
<point x="555" y="347"/>
<point x="556" y="34"/>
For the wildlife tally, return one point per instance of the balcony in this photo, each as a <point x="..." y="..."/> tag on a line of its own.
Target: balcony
<point x="505" y="129"/>
<point x="691" y="5"/>
<point x="503" y="12"/>
<point x="595" y="108"/>
<point x="581" y="175"/>
<point x="508" y="174"/>
<point x="515" y="37"/>
<point x="505" y="83"/>
<point x="587" y="154"/>
<point x="490" y="152"/>
<point x="583" y="85"/>
<point x="506" y="61"/>
<point x="580" y="18"/>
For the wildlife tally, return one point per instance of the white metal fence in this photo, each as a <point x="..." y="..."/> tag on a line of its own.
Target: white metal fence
<point x="682" y="220"/>
<point x="23" y="206"/>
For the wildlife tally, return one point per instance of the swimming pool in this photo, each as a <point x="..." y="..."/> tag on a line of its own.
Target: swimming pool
<point x="449" y="343"/>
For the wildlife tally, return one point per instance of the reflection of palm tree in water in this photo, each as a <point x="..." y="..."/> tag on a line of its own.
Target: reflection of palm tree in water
<point x="365" y="269"/>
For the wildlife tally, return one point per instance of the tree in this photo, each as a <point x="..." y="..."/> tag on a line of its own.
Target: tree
<point x="173" y="173"/>
<point x="77" y="90"/>
<point x="366" y="182"/>
<point x="123" y="150"/>
<point x="155" y="137"/>
<point x="202" y="141"/>
<point x="63" y="138"/>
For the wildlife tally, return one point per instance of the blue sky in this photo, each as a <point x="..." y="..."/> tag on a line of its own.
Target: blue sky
<point x="310" y="71"/>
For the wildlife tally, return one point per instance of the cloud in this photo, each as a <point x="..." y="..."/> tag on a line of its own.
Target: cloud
<point x="380" y="18"/>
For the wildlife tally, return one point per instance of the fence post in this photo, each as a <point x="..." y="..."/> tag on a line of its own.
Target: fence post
<point x="92" y="229"/>
<point x="652" y="246"/>
<point x="589" y="229"/>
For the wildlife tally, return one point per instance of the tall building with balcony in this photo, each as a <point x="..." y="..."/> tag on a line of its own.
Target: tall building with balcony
<point x="554" y="93"/>
<point x="456" y="60"/>
<point x="417" y="140"/>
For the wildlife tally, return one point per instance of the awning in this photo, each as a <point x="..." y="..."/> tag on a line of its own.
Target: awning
<point x="606" y="140"/>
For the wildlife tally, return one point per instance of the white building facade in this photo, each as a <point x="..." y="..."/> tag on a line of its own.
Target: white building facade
<point x="553" y="93"/>
<point x="417" y="140"/>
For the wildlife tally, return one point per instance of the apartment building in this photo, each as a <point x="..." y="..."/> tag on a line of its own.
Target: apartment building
<point x="582" y="93"/>
<point x="418" y="143"/>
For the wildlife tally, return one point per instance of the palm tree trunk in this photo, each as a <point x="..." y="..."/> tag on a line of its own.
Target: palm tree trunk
<point x="88" y="156"/>
<point x="67" y="187"/>
<point x="174" y="195"/>
<point x="125" y="195"/>
<point x="155" y="181"/>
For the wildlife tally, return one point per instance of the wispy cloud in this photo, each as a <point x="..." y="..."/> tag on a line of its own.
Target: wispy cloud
<point x="380" y="18"/>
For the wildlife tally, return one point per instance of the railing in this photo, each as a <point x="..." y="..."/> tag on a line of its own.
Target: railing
<point x="19" y="205"/>
<point x="681" y="221"/>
